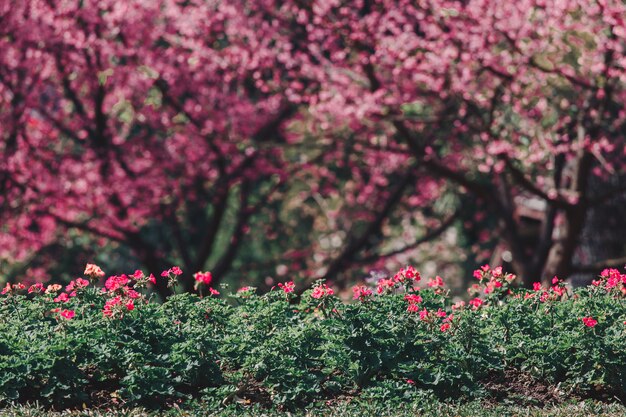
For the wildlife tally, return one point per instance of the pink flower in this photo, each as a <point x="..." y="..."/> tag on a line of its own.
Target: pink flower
<point x="38" y="287"/>
<point x="78" y="283"/>
<point x="555" y="280"/>
<point x="423" y="314"/>
<point x="176" y="270"/>
<point x="114" y="282"/>
<point x="214" y="291"/>
<point x="410" y="382"/>
<point x="152" y="279"/>
<point x="67" y="314"/>
<point x="93" y="271"/>
<point x="132" y="294"/>
<point x="536" y="286"/>
<point x="138" y="274"/>
<point x="436" y="282"/>
<point x="458" y="305"/>
<point x="476" y="303"/>
<point x="384" y="284"/>
<point x="130" y="305"/>
<point x="444" y="327"/>
<point x="203" y="277"/>
<point x="53" y="288"/>
<point x="62" y="298"/>
<point x="322" y="291"/>
<point x="165" y="274"/>
<point x="361" y="292"/>
<point x="109" y="305"/>
<point x="413" y="308"/>
<point x="589" y="321"/>
<point x="413" y="298"/>
<point x="287" y="287"/>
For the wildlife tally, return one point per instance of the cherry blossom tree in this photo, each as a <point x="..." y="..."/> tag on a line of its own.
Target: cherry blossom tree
<point x="141" y="122"/>
<point x="505" y="101"/>
<point x="164" y="125"/>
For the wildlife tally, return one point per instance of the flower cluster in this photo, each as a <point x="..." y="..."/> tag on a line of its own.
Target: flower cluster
<point x="361" y="292"/>
<point x="172" y="275"/>
<point x="204" y="278"/>
<point x="414" y="300"/>
<point x="492" y="281"/>
<point x="612" y="281"/>
<point x="93" y="271"/>
<point x="287" y="287"/>
<point x="406" y="277"/>
<point x="321" y="291"/>
<point x="589" y="321"/>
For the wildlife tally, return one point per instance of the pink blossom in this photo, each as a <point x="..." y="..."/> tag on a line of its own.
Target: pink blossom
<point x="476" y="302"/>
<point x="287" y="287"/>
<point x="322" y="291"/>
<point x="62" y="298"/>
<point x="93" y="271"/>
<point x="360" y="292"/>
<point x="203" y="277"/>
<point x="67" y="314"/>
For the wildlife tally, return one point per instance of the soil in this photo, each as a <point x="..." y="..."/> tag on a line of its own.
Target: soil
<point x="518" y="387"/>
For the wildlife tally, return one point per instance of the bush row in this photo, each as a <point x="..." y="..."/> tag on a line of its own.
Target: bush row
<point x="397" y="341"/>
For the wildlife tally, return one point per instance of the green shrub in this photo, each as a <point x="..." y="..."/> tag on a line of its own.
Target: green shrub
<point x="395" y="343"/>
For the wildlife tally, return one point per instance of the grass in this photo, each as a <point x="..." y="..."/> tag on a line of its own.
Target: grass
<point x="421" y="409"/>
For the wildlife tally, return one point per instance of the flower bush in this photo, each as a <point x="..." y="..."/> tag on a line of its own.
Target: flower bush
<point x="113" y="345"/>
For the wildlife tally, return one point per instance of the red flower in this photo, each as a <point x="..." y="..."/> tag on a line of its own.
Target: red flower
<point x="444" y="327"/>
<point x="67" y="314"/>
<point x="589" y="321"/>
<point x="476" y="303"/>
<point x="287" y="287"/>
<point x="361" y="292"/>
<point x="38" y="287"/>
<point x="413" y="308"/>
<point x="435" y="282"/>
<point x="62" y="298"/>
<point x="322" y="291"/>
<point x="203" y="277"/>
<point x="413" y="298"/>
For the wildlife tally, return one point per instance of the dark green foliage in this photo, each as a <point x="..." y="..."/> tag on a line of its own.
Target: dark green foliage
<point x="272" y="351"/>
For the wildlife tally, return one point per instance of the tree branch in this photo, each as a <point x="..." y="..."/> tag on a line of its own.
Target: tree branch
<point x="599" y="266"/>
<point x="430" y="235"/>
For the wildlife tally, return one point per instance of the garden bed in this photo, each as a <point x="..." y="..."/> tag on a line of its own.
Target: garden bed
<point x="401" y="342"/>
